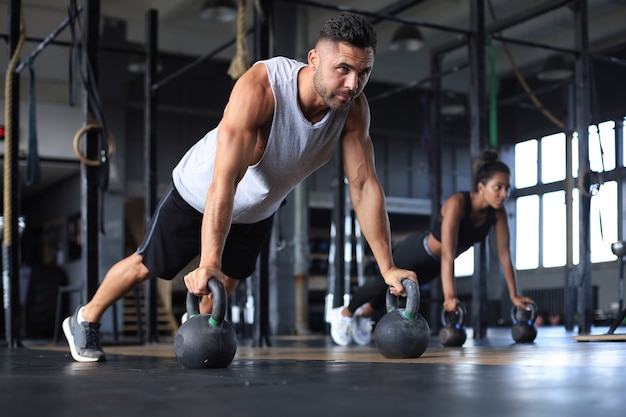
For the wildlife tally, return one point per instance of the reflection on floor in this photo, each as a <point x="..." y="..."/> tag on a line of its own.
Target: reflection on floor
<point x="309" y="376"/>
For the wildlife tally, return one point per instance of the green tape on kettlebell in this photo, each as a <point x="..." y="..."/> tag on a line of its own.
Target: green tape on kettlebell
<point x="408" y="315"/>
<point x="214" y="322"/>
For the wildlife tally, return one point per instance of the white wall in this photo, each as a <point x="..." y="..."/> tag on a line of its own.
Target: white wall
<point x="57" y="123"/>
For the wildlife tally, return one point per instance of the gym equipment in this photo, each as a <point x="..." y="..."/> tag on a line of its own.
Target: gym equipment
<point x="524" y="330"/>
<point x="619" y="250"/>
<point x="206" y="340"/>
<point x="345" y="247"/>
<point x="402" y="333"/>
<point x="453" y="334"/>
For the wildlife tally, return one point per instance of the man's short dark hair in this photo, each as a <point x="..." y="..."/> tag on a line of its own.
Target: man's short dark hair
<point x="351" y="28"/>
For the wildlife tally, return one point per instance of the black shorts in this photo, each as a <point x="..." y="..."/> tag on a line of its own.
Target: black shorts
<point x="173" y="240"/>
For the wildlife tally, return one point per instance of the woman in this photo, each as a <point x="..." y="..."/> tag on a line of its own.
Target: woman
<point x="466" y="218"/>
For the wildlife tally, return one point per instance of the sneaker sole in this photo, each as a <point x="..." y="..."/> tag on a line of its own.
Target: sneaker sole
<point x="360" y="342"/>
<point x="70" y="340"/>
<point x="339" y="344"/>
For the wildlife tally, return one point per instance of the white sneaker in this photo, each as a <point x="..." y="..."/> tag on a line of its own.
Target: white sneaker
<point x="340" y="327"/>
<point x="362" y="330"/>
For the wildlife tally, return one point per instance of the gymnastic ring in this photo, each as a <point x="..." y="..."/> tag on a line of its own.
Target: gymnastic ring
<point x="598" y="181"/>
<point x="81" y="157"/>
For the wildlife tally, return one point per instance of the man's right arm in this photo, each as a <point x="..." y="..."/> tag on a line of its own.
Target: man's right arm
<point x="250" y="106"/>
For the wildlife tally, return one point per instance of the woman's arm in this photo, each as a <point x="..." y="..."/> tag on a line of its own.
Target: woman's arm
<point x="504" y="253"/>
<point x="452" y="212"/>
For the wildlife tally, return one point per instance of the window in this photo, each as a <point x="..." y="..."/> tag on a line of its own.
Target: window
<point x="543" y="207"/>
<point x="553" y="158"/>
<point x="526" y="164"/>
<point x="554" y="230"/>
<point x="603" y="222"/>
<point x="464" y="263"/>
<point x="527" y="232"/>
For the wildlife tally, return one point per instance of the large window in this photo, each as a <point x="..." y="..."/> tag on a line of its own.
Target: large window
<point x="541" y="207"/>
<point x="527" y="242"/>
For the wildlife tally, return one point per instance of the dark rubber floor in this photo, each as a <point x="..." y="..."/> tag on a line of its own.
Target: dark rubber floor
<point x="555" y="376"/>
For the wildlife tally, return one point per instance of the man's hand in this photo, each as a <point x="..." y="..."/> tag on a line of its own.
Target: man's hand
<point x="196" y="281"/>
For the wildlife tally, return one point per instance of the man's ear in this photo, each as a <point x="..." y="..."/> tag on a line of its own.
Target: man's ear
<point x="313" y="59"/>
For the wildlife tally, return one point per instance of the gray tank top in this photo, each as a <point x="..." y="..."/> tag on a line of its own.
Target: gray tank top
<point x="295" y="149"/>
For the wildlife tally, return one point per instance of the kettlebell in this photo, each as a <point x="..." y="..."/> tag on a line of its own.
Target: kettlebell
<point x="524" y="330"/>
<point x="402" y="333"/>
<point x="453" y="334"/>
<point x="206" y="340"/>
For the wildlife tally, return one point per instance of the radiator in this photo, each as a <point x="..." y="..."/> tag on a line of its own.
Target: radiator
<point x="551" y="301"/>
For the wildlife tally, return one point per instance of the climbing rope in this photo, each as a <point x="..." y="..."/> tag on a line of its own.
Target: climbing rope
<point x="240" y="63"/>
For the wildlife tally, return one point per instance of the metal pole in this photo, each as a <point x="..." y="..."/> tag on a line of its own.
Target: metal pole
<point x="261" y="323"/>
<point x="150" y="158"/>
<point x="570" y="272"/>
<point x="477" y="142"/>
<point x="90" y="198"/>
<point x="583" y="119"/>
<point x="436" y="291"/>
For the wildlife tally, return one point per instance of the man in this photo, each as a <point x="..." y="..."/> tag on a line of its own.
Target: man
<point x="283" y="121"/>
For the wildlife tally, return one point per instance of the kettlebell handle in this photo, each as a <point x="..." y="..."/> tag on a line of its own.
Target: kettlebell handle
<point x="533" y="314"/>
<point x="219" y="302"/>
<point x="460" y="308"/>
<point x="412" y="299"/>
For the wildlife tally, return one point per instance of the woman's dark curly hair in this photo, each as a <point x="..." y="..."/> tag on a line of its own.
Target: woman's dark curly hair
<point x="487" y="165"/>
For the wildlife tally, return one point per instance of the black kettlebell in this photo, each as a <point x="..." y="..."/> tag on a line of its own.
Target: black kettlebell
<point x="402" y="333"/>
<point x="206" y="340"/>
<point x="453" y="334"/>
<point x="524" y="330"/>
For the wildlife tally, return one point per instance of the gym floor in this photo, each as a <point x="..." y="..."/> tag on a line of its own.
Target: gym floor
<point x="309" y="376"/>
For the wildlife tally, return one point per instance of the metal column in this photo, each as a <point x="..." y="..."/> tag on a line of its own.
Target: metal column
<point x="261" y="320"/>
<point x="90" y="192"/>
<point x="150" y="161"/>
<point x="436" y="292"/>
<point x="478" y="129"/>
<point x="583" y="119"/>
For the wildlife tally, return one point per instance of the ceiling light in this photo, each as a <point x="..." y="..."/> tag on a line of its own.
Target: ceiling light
<point x="556" y="68"/>
<point x="407" y="38"/>
<point x="218" y="11"/>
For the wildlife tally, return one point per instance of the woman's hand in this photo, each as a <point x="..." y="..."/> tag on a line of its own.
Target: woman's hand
<point x="520" y="302"/>
<point x="451" y="304"/>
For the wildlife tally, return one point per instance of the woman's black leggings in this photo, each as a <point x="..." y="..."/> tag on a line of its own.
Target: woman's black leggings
<point x="407" y="254"/>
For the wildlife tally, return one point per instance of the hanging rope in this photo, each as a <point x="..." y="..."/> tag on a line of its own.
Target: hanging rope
<point x="240" y="62"/>
<point x="8" y="135"/>
<point x="33" y="167"/>
<point x="522" y="81"/>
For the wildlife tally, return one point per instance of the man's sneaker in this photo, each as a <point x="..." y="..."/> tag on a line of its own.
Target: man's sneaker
<point x="83" y="338"/>
<point x="340" y="327"/>
<point x="362" y="330"/>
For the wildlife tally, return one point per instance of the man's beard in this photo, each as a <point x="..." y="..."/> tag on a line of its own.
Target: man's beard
<point x="329" y="97"/>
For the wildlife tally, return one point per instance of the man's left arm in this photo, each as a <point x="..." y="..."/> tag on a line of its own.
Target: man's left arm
<point x="367" y="195"/>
